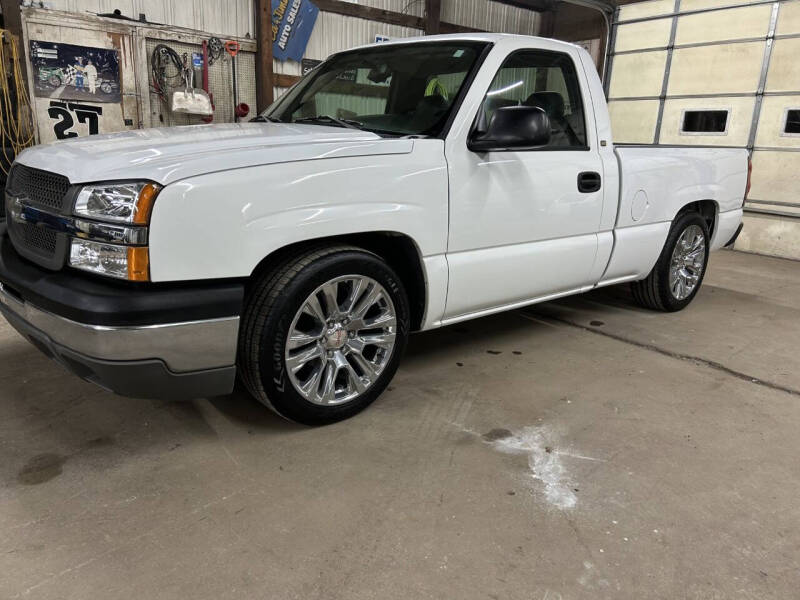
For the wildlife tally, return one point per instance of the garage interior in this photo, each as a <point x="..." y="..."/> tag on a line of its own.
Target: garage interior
<point x="581" y="448"/>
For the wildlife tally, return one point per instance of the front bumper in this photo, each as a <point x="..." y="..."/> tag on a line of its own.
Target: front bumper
<point x="169" y="359"/>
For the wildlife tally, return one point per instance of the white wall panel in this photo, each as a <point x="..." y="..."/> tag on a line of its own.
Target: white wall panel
<point x="719" y="25"/>
<point x="789" y="18"/>
<point x="687" y="5"/>
<point x="633" y="121"/>
<point x="772" y="121"/>
<point x="644" y="34"/>
<point x="639" y="74"/>
<point x="767" y="234"/>
<point x="642" y="10"/>
<point x="784" y="66"/>
<point x="775" y="176"/>
<point x="719" y="69"/>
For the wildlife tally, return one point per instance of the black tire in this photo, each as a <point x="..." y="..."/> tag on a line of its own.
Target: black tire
<point x="269" y="310"/>
<point x="654" y="292"/>
<point x="54" y="81"/>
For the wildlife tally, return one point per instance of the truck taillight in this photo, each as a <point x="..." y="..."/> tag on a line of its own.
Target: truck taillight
<point x="749" y="175"/>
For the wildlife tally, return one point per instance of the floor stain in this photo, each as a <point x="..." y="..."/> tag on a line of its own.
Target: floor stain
<point x="494" y="352"/>
<point x="496" y="434"/>
<point x="100" y="442"/>
<point x="596" y="323"/>
<point x="41" y="468"/>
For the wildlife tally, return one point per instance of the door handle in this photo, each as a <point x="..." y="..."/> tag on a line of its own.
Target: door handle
<point x="589" y="181"/>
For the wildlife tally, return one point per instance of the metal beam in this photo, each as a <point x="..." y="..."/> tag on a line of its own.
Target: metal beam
<point x="265" y="81"/>
<point x="762" y="79"/>
<point x="668" y="65"/>
<point x="536" y="5"/>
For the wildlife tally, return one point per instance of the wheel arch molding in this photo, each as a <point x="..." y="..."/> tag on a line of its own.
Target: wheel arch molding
<point x="397" y="249"/>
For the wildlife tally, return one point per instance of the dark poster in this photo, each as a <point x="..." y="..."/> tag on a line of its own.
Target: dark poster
<point x="68" y="72"/>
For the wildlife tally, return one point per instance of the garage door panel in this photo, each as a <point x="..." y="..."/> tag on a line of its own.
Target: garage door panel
<point x="734" y="24"/>
<point x="775" y="176"/>
<point x="789" y="18"/>
<point x="784" y="66"/>
<point x="718" y="69"/>
<point x="689" y="5"/>
<point x="633" y="121"/>
<point x="642" y="10"/>
<point x="772" y="121"/>
<point x="740" y="117"/>
<point x="635" y="75"/>
<point x="647" y="34"/>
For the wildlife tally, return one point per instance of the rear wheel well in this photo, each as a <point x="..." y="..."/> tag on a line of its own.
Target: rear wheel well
<point x="705" y="208"/>
<point x="398" y="250"/>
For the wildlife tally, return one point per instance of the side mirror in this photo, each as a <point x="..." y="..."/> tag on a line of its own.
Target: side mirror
<point x="513" y="128"/>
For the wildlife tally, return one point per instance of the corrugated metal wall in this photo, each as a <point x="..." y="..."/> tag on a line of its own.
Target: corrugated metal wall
<point x="490" y="16"/>
<point x="222" y="17"/>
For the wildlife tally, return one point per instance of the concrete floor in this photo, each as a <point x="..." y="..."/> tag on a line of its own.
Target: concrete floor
<point x="666" y="449"/>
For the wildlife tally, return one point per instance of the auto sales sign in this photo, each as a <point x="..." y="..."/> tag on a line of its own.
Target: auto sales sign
<point x="292" y="24"/>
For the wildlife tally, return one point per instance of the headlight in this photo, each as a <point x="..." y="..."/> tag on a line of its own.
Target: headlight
<point x="113" y="242"/>
<point x="122" y="262"/>
<point x="122" y="202"/>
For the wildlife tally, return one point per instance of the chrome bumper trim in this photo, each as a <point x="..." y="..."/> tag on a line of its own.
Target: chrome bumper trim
<point x="184" y="347"/>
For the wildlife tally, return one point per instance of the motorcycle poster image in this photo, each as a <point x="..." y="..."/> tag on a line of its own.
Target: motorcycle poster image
<point x="68" y="72"/>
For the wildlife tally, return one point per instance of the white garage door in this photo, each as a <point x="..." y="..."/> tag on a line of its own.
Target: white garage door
<point x="721" y="73"/>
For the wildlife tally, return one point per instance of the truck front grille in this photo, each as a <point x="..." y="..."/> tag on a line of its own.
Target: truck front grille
<point x="43" y="188"/>
<point x="49" y="193"/>
<point x="39" y="238"/>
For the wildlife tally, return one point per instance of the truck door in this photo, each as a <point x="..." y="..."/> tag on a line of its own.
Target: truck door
<point x="523" y="224"/>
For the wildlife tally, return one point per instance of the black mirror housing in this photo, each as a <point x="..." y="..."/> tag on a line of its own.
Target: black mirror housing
<point x="513" y="128"/>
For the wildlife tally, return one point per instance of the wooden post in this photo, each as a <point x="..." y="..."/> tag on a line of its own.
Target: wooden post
<point x="433" y="16"/>
<point x="265" y="79"/>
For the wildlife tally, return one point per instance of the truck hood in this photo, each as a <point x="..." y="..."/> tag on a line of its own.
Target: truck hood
<point x="166" y="155"/>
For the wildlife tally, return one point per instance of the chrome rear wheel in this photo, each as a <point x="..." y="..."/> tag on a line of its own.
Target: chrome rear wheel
<point x="688" y="261"/>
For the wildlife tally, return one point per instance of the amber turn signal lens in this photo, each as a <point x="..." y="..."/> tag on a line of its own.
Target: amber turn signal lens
<point x="138" y="263"/>
<point x="144" y="204"/>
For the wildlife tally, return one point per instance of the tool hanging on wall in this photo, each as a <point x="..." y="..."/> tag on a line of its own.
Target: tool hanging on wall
<point x="188" y="101"/>
<point x="191" y="100"/>
<point x="239" y="110"/>
<point x="207" y="57"/>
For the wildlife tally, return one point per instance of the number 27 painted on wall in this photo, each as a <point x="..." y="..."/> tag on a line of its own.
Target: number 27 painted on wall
<point x="63" y="120"/>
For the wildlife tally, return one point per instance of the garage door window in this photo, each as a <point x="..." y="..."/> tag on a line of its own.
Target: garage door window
<point x="791" y="122"/>
<point x="705" y="122"/>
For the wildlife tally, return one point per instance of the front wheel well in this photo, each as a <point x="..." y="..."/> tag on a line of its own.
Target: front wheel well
<point x="398" y="250"/>
<point x="708" y="209"/>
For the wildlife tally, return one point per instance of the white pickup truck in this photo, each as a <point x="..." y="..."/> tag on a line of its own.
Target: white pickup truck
<point x="397" y="187"/>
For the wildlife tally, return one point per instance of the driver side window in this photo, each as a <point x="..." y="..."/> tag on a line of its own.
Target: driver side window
<point x="546" y="80"/>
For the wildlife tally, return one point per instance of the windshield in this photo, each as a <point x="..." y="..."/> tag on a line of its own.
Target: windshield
<point x="392" y="90"/>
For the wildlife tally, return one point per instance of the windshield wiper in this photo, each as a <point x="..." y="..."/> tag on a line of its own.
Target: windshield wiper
<point x="348" y="123"/>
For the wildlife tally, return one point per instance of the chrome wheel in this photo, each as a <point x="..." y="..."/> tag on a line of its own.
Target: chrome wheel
<point x="688" y="260"/>
<point x="340" y="340"/>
